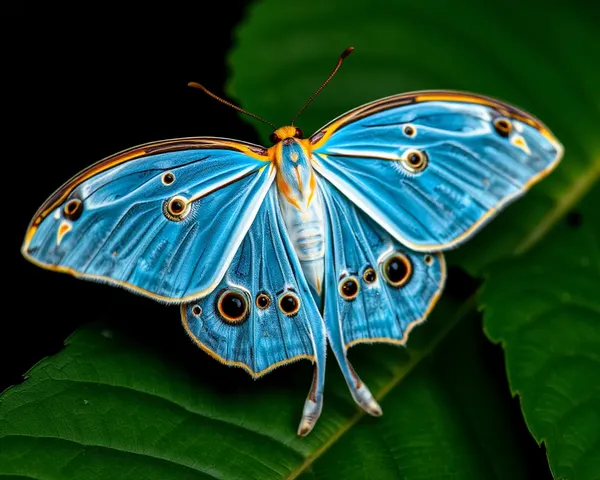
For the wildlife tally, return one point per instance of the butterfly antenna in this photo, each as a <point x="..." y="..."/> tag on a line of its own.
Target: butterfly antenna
<point x="229" y="104"/>
<point x="344" y="54"/>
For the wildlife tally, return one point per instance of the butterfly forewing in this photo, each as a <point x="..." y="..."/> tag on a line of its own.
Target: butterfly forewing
<point x="432" y="167"/>
<point x="164" y="224"/>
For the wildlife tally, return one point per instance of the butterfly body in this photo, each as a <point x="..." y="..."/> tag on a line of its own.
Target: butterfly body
<point x="301" y="203"/>
<point x="275" y="253"/>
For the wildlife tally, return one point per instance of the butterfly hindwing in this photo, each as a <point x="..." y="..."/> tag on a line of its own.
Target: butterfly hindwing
<point x="279" y="318"/>
<point x="432" y="167"/>
<point x="262" y="314"/>
<point x="376" y="289"/>
<point x="163" y="219"/>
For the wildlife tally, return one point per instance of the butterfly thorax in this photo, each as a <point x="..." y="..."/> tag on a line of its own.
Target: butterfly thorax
<point x="301" y="205"/>
<point x="295" y="176"/>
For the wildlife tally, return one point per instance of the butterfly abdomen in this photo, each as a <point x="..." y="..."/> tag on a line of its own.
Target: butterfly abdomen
<point x="302" y="207"/>
<point x="306" y="231"/>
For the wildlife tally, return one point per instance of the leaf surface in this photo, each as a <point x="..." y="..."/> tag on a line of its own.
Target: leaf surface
<point x="544" y="308"/>
<point x="113" y="401"/>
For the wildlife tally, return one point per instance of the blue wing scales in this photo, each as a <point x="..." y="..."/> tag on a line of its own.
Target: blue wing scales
<point x="124" y="233"/>
<point x="471" y="166"/>
<point x="362" y="301"/>
<point x="264" y="337"/>
<point x="358" y="249"/>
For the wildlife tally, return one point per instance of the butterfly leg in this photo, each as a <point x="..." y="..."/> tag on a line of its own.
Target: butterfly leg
<point x="314" y="402"/>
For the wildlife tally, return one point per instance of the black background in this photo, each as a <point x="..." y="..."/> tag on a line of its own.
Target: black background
<point x="85" y="85"/>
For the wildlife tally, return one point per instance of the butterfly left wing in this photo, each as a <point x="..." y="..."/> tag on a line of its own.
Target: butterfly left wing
<point x="262" y="314"/>
<point x="376" y="289"/>
<point x="432" y="167"/>
<point x="163" y="219"/>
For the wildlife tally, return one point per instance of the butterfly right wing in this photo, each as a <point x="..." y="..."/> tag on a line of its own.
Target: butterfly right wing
<point x="262" y="314"/>
<point x="376" y="289"/>
<point x="163" y="219"/>
<point x="433" y="167"/>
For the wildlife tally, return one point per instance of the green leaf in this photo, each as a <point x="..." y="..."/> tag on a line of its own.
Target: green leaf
<point x="544" y="309"/>
<point x="536" y="55"/>
<point x="113" y="403"/>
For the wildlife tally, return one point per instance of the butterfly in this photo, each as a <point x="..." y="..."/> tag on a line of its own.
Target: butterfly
<point x="274" y="253"/>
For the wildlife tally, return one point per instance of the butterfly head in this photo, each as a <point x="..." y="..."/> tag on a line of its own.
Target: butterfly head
<point x="285" y="132"/>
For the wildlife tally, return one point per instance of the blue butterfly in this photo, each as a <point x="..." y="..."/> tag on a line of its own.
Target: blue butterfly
<point x="273" y="253"/>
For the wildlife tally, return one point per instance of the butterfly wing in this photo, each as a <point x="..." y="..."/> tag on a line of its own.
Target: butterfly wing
<point x="163" y="219"/>
<point x="433" y="167"/>
<point x="376" y="289"/>
<point x="262" y="315"/>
